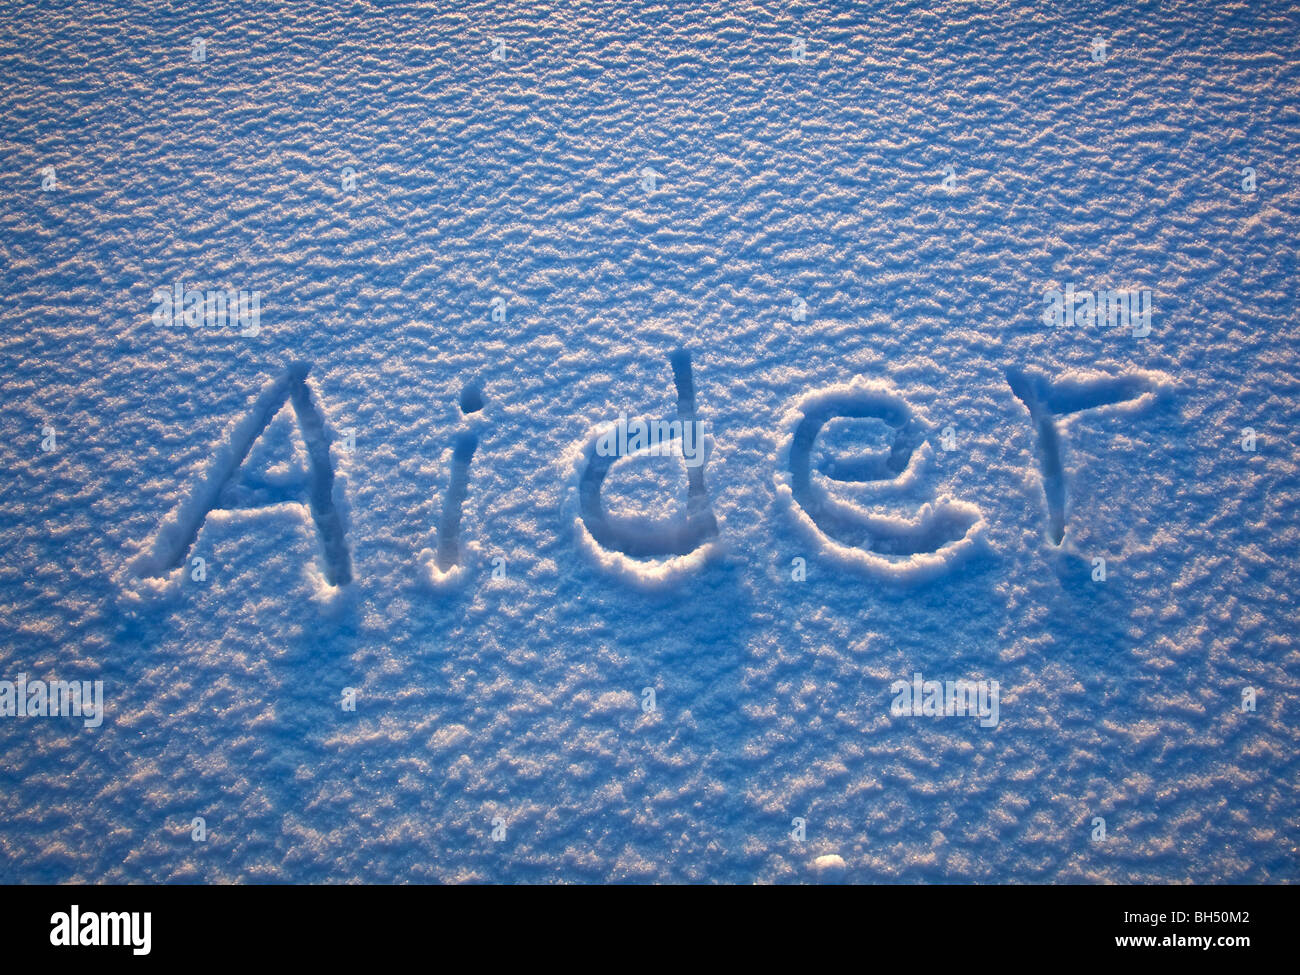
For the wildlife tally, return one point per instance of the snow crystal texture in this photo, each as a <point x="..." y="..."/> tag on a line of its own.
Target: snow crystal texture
<point x="650" y="190"/>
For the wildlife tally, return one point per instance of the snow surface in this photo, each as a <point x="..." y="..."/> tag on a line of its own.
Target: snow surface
<point x="517" y="697"/>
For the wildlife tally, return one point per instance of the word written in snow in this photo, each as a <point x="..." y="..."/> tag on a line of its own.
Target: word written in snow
<point x="941" y="526"/>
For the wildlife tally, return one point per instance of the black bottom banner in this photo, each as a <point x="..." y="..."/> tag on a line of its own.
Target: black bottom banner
<point x="142" y="925"/>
